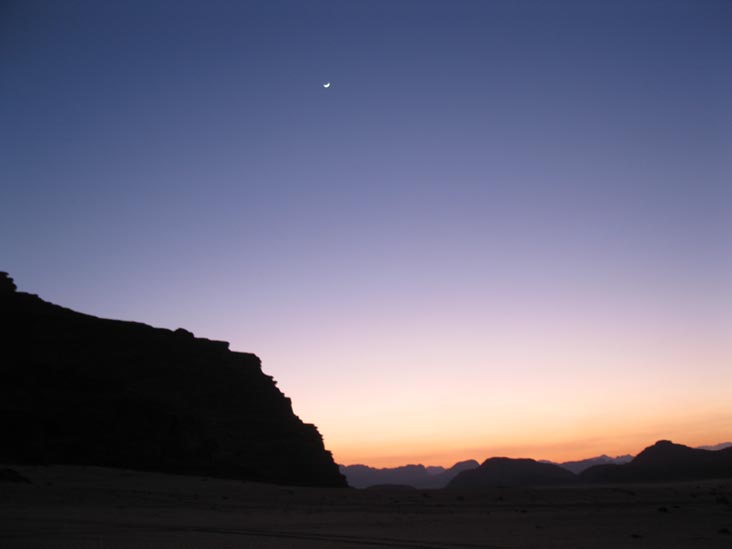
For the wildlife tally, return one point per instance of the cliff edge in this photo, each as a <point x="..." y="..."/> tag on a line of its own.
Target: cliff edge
<point x="77" y="389"/>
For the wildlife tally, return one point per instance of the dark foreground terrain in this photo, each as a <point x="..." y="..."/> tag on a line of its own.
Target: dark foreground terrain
<point x="84" y="507"/>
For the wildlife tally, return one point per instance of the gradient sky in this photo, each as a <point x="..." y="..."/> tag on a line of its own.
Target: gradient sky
<point x="506" y="228"/>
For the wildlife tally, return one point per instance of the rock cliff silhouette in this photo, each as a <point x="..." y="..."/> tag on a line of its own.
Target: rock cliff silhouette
<point x="77" y="389"/>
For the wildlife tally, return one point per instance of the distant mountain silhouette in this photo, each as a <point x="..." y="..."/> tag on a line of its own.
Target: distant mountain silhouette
<point x="501" y="471"/>
<point x="77" y="389"/>
<point x="666" y="461"/>
<point x="418" y="476"/>
<point x="578" y="466"/>
<point x="720" y="446"/>
<point x="437" y="469"/>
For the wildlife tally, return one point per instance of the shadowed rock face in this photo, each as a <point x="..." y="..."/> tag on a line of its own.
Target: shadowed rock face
<point x="77" y="389"/>
<point x="666" y="461"/>
<point x="501" y="471"/>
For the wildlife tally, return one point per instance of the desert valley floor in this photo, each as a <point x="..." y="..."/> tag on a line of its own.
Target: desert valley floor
<point x="92" y="507"/>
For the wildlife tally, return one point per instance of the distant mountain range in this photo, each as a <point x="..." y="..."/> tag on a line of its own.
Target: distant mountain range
<point x="417" y="476"/>
<point x="662" y="461"/>
<point x="432" y="477"/>
<point x="577" y="467"/>
<point x="720" y="446"/>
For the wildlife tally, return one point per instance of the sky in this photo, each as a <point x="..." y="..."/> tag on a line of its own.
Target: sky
<point x="504" y="229"/>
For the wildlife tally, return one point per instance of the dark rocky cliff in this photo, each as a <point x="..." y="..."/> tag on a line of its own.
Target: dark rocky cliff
<point x="78" y="389"/>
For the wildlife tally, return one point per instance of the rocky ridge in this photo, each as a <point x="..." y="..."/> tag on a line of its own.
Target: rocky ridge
<point x="77" y="389"/>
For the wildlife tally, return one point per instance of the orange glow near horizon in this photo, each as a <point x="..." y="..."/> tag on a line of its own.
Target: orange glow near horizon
<point x="567" y="450"/>
<point x="584" y="438"/>
<point x="571" y="394"/>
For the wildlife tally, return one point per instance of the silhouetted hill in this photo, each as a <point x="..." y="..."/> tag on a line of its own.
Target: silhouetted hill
<point x="418" y="476"/>
<point x="666" y="461"/>
<point x="501" y="471"/>
<point x="77" y="389"/>
<point x="363" y="476"/>
<point x="577" y="467"/>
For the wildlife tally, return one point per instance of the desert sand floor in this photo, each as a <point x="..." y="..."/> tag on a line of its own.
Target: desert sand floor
<point x="91" y="507"/>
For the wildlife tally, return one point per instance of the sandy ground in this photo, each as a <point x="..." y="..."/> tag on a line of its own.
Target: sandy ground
<point x="90" y="507"/>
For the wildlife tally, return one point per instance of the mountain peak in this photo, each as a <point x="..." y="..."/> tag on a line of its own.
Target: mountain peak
<point x="665" y="461"/>
<point x="503" y="471"/>
<point x="465" y="465"/>
<point x="664" y="450"/>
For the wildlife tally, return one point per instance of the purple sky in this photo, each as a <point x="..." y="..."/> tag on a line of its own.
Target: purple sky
<point x="501" y="215"/>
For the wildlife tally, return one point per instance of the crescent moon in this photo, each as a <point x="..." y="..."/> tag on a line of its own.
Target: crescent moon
<point x="326" y="85"/>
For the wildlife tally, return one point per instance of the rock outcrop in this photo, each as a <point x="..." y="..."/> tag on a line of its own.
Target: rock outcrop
<point x="664" y="462"/>
<point x="77" y="389"/>
<point x="501" y="471"/>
